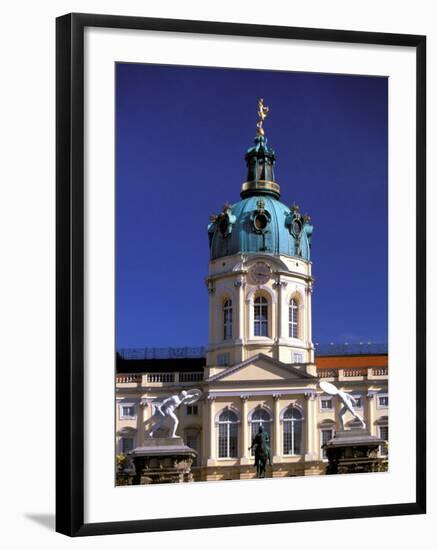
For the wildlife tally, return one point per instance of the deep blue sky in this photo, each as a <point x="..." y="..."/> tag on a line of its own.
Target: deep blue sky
<point x="182" y="133"/>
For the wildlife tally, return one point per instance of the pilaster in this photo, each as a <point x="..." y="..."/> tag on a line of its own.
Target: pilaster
<point x="310" y="451"/>
<point x="276" y="429"/>
<point x="244" y="450"/>
<point x="142" y="411"/>
<point x="212" y="453"/>
<point x="240" y="285"/>
<point x="370" y="413"/>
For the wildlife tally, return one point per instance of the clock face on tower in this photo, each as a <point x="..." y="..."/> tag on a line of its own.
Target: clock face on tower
<point x="260" y="273"/>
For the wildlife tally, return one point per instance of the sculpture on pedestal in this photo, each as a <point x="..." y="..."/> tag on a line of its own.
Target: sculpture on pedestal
<point x="347" y="400"/>
<point x="164" y="411"/>
<point x="261" y="447"/>
<point x="355" y="450"/>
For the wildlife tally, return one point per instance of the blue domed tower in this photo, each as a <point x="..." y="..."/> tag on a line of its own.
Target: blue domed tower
<point x="260" y="280"/>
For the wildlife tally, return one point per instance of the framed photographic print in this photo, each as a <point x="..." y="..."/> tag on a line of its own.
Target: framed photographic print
<point x="240" y="274"/>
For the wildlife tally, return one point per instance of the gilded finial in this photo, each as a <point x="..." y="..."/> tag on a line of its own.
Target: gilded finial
<point x="262" y="113"/>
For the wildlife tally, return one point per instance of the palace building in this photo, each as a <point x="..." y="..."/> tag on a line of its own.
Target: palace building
<point x="260" y="366"/>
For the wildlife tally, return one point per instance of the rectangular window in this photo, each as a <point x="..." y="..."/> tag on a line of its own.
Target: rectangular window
<point x="292" y="434"/>
<point x="223" y="444"/>
<point x="192" y="410"/>
<point x="127" y="444"/>
<point x="326" y="403"/>
<point x="223" y="359"/>
<point x="358" y="401"/>
<point x="297" y="358"/>
<point x="261" y="318"/>
<point x="227" y="320"/>
<point x="325" y="436"/>
<point x="382" y="401"/>
<point x="127" y="411"/>
<point x="228" y="440"/>
<point x="292" y="319"/>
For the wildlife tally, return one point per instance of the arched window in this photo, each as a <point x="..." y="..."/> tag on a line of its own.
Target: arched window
<point x="293" y="319"/>
<point x="227" y="320"/>
<point x="228" y="435"/>
<point x="261" y="417"/>
<point x="292" y="431"/>
<point x="261" y="319"/>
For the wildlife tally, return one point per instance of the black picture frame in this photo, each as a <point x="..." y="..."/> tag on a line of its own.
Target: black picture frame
<point x="70" y="273"/>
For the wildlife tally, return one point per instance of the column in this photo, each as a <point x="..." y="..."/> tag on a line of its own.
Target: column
<point x="310" y="426"/>
<point x="308" y="319"/>
<point x="280" y="325"/>
<point x="245" y="443"/>
<point x="276" y="429"/>
<point x="337" y="406"/>
<point x="370" y="413"/>
<point x="239" y="323"/>
<point x="142" y="406"/>
<point x="212" y="454"/>
<point x="279" y="315"/>
<point x="210" y="357"/>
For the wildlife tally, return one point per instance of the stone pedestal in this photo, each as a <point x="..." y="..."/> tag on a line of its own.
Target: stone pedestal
<point x="354" y="451"/>
<point x="162" y="460"/>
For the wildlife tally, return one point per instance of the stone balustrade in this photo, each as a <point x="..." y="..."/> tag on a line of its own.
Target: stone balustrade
<point x="360" y="373"/>
<point x="160" y="378"/>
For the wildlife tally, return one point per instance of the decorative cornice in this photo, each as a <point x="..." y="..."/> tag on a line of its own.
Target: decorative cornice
<point x="257" y="393"/>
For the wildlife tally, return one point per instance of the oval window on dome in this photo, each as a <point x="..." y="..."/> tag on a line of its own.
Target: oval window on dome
<point x="260" y="222"/>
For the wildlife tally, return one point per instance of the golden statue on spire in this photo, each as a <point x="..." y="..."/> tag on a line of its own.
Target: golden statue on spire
<point x="262" y="113"/>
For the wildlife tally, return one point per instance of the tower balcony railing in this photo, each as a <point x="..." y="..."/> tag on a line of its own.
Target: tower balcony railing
<point x="185" y="352"/>
<point x="348" y="348"/>
<point x="191" y="352"/>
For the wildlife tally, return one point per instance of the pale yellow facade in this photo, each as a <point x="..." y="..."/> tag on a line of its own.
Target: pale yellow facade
<point x="256" y="375"/>
<point x="274" y="392"/>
